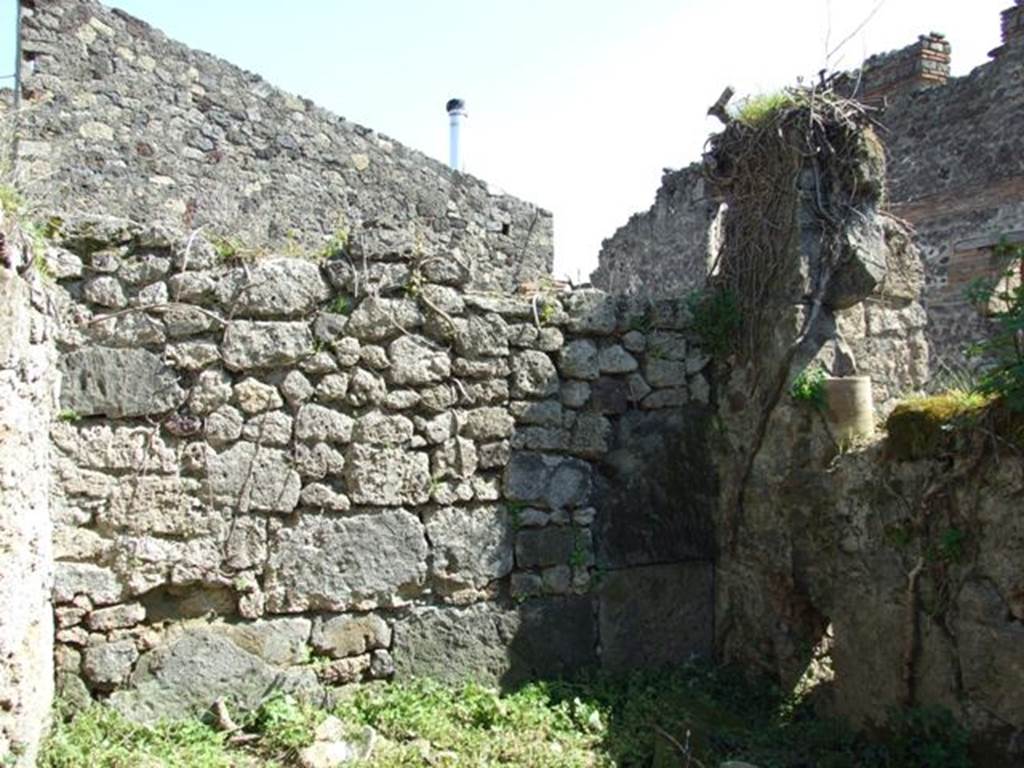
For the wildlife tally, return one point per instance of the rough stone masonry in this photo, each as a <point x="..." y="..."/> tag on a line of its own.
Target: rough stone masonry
<point x="298" y="473"/>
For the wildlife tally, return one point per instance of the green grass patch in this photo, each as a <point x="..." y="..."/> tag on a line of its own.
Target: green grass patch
<point x="756" y="109"/>
<point x="100" y="738"/>
<point x="692" y="715"/>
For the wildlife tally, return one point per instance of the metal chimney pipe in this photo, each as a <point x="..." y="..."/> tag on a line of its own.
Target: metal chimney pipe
<point x="456" y="115"/>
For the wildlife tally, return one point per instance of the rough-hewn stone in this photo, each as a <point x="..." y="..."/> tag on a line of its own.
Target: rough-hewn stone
<point x="361" y="562"/>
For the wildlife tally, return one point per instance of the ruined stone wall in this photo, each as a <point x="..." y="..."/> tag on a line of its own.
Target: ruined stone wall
<point x="120" y="120"/>
<point x="303" y="473"/>
<point x="955" y="172"/>
<point x="27" y="379"/>
<point x="665" y="251"/>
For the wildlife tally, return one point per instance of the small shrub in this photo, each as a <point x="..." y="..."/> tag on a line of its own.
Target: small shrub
<point x="809" y="387"/>
<point x="716" y="319"/>
<point x="335" y="246"/>
<point x="286" y="725"/>
<point x="69" y="415"/>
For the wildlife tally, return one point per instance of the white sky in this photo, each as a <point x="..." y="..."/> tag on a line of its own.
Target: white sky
<point x="576" y="105"/>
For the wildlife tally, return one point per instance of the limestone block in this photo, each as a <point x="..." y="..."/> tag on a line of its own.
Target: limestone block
<point x="251" y="477"/>
<point x="455" y="458"/>
<point x="100" y="585"/>
<point x="321" y="496"/>
<point x="387" y="476"/>
<point x="414" y="360"/>
<point x="471" y="546"/>
<point x="377" y="319"/>
<point x="275" y="288"/>
<point x="280" y="642"/>
<point x="332" y="388"/>
<point x="254" y="344"/>
<point x="182" y="678"/>
<point x="156" y="504"/>
<point x="192" y="355"/>
<point x="487" y="423"/>
<point x="550" y="481"/>
<point x="578" y="360"/>
<point x="318" y="424"/>
<point x="662" y="372"/>
<point x="274" y="428"/>
<point x="116" y="617"/>
<point x="591" y="312"/>
<point x="360" y="562"/>
<point x="666" y="345"/>
<point x="296" y="388"/>
<point x="547" y="637"/>
<point x="211" y="390"/>
<point x="544" y="413"/>
<point x="615" y="359"/>
<point x="378" y="429"/>
<point x="365" y="388"/>
<point x="254" y="396"/>
<point x="109" y="664"/>
<point x="105" y="291"/>
<point x="533" y="375"/>
<point x="119" y="383"/>
<point x="223" y="426"/>
<point x="318" y="461"/>
<point x="482" y="336"/>
<point x="575" y="393"/>
<point x="348" y="635"/>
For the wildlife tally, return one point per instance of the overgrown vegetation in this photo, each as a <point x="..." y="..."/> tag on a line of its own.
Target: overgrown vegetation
<point x="696" y="715"/>
<point x="1003" y="352"/>
<point x="757" y="109"/>
<point x="716" y="319"/>
<point x="809" y="387"/>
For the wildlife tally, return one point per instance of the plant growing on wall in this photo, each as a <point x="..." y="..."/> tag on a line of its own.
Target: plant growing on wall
<point x="809" y="387"/>
<point x="1003" y="351"/>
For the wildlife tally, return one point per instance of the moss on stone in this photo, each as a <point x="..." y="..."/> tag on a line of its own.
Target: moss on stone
<point x="922" y="427"/>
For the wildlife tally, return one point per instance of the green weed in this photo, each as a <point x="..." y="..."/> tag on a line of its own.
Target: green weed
<point x="809" y="387"/>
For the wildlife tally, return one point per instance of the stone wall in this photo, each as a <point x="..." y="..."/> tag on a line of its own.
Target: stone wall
<point x="120" y="120"/>
<point x="26" y="566"/>
<point x="296" y="472"/>
<point x="667" y="250"/>
<point x="954" y="172"/>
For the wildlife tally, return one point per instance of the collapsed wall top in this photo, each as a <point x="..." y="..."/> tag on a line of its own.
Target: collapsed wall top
<point x="118" y="119"/>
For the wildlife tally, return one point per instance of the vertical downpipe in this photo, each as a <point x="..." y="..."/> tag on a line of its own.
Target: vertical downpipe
<point x="456" y="115"/>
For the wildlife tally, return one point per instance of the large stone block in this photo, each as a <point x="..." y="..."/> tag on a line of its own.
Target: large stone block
<point x="471" y="546"/>
<point x="253" y="344"/>
<point x="119" y="383"/>
<point x="655" y="616"/>
<point x="550" y="481"/>
<point x="160" y="505"/>
<point x="350" y="563"/>
<point x="274" y="288"/>
<point x="248" y="477"/>
<point x="387" y="476"/>
<point x="414" y="360"/>
<point x="182" y="679"/>
<point x="492" y="644"/>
